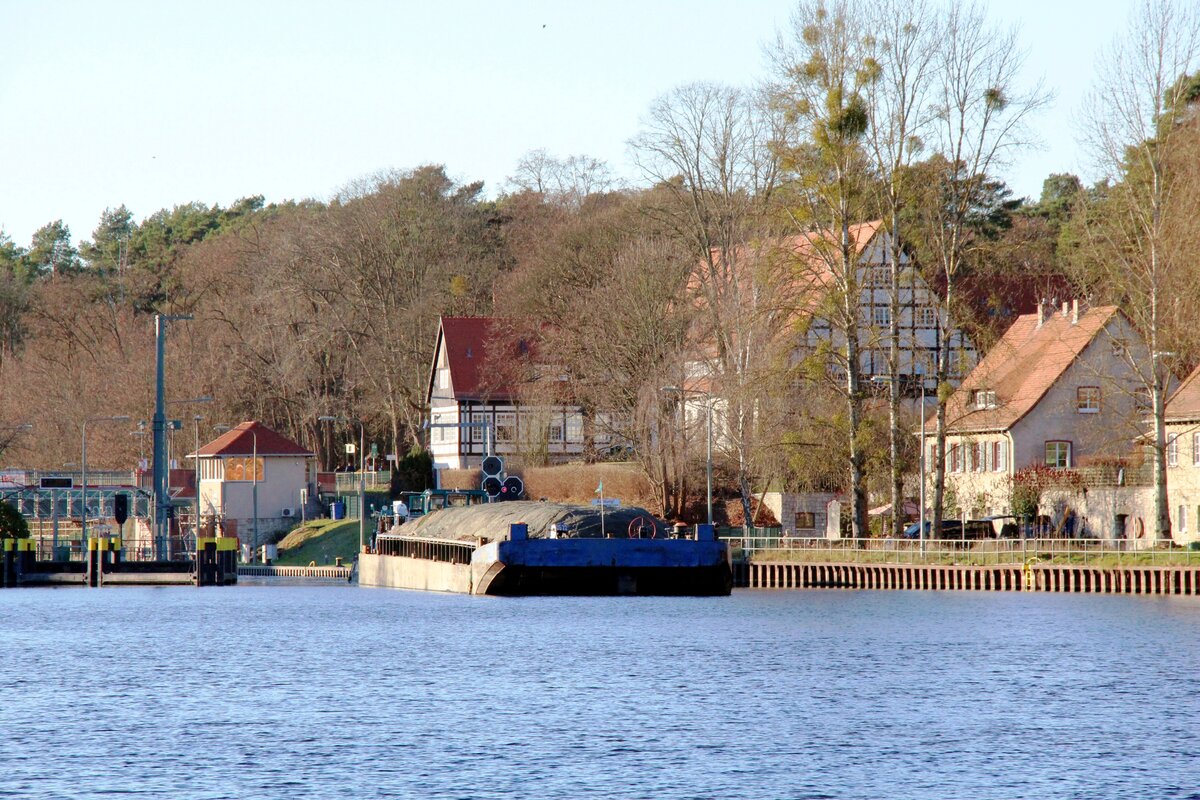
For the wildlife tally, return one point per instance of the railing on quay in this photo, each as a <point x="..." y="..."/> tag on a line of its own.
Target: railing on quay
<point x="984" y="552"/>
<point x="449" y="551"/>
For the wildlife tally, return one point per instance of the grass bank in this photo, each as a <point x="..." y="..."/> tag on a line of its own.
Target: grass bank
<point x="322" y="541"/>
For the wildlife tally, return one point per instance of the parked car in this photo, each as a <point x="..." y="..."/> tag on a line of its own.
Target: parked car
<point x="954" y="529"/>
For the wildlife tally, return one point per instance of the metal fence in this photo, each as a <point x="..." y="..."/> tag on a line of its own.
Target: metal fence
<point x="347" y="482"/>
<point x="763" y="545"/>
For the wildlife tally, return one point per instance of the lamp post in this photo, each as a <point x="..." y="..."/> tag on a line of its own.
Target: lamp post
<point x="83" y="471"/>
<point x="362" y="487"/>
<point x="708" y="463"/>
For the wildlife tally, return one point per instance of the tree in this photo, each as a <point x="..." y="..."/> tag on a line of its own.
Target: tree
<point x="109" y="249"/>
<point x="12" y="524"/>
<point x="1132" y="242"/>
<point x="706" y="149"/>
<point x="903" y="48"/>
<point x="824" y="72"/>
<point x="51" y="251"/>
<point x="568" y="181"/>
<point x="980" y="116"/>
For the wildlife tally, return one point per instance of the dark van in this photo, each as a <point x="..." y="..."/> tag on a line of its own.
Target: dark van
<point x="955" y="529"/>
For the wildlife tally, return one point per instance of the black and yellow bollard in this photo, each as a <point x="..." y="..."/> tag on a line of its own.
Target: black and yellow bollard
<point x="26" y="558"/>
<point x="8" y="562"/>
<point x="206" y="562"/>
<point x="227" y="553"/>
<point x="95" y="561"/>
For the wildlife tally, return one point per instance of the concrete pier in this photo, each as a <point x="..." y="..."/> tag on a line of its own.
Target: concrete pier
<point x="1184" y="580"/>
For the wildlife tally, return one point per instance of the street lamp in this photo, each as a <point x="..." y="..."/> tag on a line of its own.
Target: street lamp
<point x="83" y="470"/>
<point x="708" y="463"/>
<point x="362" y="487"/>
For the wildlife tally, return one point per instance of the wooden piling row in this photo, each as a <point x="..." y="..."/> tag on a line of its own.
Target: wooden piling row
<point x="1183" y="580"/>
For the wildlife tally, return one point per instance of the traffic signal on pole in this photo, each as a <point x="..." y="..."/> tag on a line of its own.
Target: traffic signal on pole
<point x="120" y="508"/>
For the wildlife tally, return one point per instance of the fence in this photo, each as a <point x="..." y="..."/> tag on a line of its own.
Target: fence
<point x="347" y="482"/>
<point x="767" y="545"/>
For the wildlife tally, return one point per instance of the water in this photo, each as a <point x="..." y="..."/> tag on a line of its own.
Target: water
<point x="337" y="692"/>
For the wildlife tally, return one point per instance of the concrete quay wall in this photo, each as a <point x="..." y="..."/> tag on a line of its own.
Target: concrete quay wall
<point x="1183" y="580"/>
<point x="401" y="572"/>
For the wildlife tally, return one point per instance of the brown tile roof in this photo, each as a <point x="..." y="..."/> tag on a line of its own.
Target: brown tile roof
<point x="1184" y="405"/>
<point x="240" y="441"/>
<point x="485" y="355"/>
<point x="1022" y="367"/>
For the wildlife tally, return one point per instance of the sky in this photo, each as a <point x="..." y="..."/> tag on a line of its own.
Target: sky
<point x="156" y="104"/>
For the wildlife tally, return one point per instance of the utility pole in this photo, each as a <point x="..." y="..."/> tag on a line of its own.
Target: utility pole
<point x="162" y="498"/>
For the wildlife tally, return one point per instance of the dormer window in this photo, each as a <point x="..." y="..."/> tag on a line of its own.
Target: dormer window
<point x="984" y="399"/>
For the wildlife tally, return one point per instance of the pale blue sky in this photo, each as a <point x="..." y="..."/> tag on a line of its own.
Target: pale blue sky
<point x="153" y="104"/>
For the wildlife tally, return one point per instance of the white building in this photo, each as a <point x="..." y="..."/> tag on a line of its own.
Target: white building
<point x="478" y="372"/>
<point x="246" y="462"/>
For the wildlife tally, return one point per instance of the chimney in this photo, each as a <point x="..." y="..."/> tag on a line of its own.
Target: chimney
<point x="1041" y="311"/>
<point x="1075" y="311"/>
<point x="1066" y="307"/>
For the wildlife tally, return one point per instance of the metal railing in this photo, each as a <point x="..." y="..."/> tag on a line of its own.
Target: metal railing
<point x="347" y="482"/>
<point x="448" y="550"/>
<point x="984" y="552"/>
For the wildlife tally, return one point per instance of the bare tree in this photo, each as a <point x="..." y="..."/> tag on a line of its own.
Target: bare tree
<point x="904" y="48"/>
<point x="706" y="148"/>
<point x="980" y="118"/>
<point x="1133" y="234"/>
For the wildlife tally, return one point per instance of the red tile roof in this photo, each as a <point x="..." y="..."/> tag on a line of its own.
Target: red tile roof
<point x="1022" y="367"/>
<point x="240" y="441"/>
<point x="483" y="355"/>
<point x="1184" y="405"/>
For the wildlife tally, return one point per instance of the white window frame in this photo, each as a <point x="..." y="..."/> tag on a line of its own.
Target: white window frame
<point x="1196" y="449"/>
<point x="1173" y="450"/>
<point x="881" y="316"/>
<point x="1063" y="448"/>
<point x="506" y="420"/>
<point x="1085" y="401"/>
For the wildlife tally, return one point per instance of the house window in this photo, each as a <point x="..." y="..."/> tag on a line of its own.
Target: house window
<point x="879" y="276"/>
<point x="575" y="428"/>
<point x="1173" y="450"/>
<point x="1182" y="520"/>
<point x="479" y="426"/>
<point x="1196" y="449"/>
<point x="925" y="317"/>
<point x="979" y="456"/>
<point x="1087" y="399"/>
<point x="999" y="457"/>
<point x="1058" y="455"/>
<point x="882" y="316"/>
<point x="556" y="430"/>
<point x="506" y="427"/>
<point x="984" y="398"/>
<point x="955" y="458"/>
<point x="244" y="469"/>
<point x="806" y="521"/>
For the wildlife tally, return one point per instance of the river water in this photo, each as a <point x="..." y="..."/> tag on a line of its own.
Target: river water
<point x="303" y="691"/>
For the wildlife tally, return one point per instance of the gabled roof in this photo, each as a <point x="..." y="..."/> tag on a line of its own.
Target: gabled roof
<point x="1184" y="405"/>
<point x="1022" y="367"/>
<point x="482" y="354"/>
<point x="466" y="340"/>
<point x="240" y="441"/>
